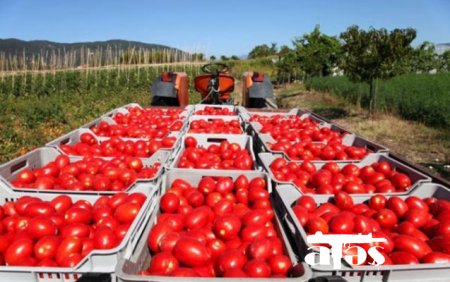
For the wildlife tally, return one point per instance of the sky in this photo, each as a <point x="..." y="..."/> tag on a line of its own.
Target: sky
<point x="227" y="27"/>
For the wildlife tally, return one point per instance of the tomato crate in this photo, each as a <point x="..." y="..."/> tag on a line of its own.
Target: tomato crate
<point x="287" y="195"/>
<point x="183" y="113"/>
<point x="254" y="127"/>
<point x="42" y="156"/>
<point x="211" y="119"/>
<point x="200" y="108"/>
<point x="417" y="178"/>
<point x="97" y="261"/>
<point x="73" y="138"/>
<point x="349" y="140"/>
<point x="205" y="140"/>
<point x="139" y="258"/>
<point x="246" y="113"/>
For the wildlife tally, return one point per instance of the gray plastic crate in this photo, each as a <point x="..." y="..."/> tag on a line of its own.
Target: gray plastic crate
<point x="286" y="195"/>
<point x="417" y="178"/>
<point x="211" y="118"/>
<point x="348" y="140"/>
<point x="73" y="137"/>
<point x="124" y="110"/>
<point x="206" y="140"/>
<point x="97" y="121"/>
<point x="199" y="107"/>
<point x="247" y="113"/>
<point x="42" y="156"/>
<point x="98" y="261"/>
<point x="139" y="257"/>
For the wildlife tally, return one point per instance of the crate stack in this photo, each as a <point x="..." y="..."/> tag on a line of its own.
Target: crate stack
<point x="286" y="148"/>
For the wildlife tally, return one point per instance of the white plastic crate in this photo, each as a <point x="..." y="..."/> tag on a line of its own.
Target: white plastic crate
<point x="201" y="107"/>
<point x="73" y="137"/>
<point x="128" y="268"/>
<point x="417" y="178"/>
<point x="42" y="156"/>
<point x="286" y="195"/>
<point x="348" y="140"/>
<point x="98" y="261"/>
<point x="205" y="140"/>
<point x="211" y="118"/>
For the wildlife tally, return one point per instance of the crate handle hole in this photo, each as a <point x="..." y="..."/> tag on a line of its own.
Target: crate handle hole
<point x="18" y="166"/>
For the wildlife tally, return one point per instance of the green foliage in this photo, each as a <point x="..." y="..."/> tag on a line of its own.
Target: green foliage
<point x="375" y="54"/>
<point x="424" y="58"/>
<point x="444" y="62"/>
<point x="261" y="51"/>
<point x="419" y="97"/>
<point x="317" y="53"/>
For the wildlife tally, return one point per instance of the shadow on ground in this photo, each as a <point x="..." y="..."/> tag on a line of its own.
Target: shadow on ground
<point x="331" y="112"/>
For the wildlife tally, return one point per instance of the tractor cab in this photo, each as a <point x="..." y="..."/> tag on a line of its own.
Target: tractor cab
<point x="170" y="89"/>
<point x="257" y="90"/>
<point x="215" y="86"/>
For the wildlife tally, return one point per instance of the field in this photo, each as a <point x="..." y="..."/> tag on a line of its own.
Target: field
<point x="38" y="107"/>
<point x="420" y="97"/>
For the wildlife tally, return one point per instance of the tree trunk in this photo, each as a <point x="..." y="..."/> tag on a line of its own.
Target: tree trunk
<point x="373" y="92"/>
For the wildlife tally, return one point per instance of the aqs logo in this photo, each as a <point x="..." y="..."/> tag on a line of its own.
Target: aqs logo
<point x="337" y="243"/>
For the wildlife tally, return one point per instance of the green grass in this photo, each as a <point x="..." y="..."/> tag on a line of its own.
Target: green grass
<point x="420" y="97"/>
<point x="39" y="107"/>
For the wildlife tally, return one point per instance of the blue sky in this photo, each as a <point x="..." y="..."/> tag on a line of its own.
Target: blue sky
<point x="227" y="27"/>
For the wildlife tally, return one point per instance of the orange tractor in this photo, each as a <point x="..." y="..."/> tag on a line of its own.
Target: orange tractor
<point x="215" y="87"/>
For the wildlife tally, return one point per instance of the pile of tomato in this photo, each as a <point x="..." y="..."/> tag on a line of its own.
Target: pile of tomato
<point x="60" y="232"/>
<point x="225" y="155"/>
<point x="117" y="147"/>
<point x="219" y="229"/>
<point x="378" y="177"/>
<point x="87" y="174"/>
<point x="416" y="230"/>
<point x="215" y="126"/>
<point x="215" y="111"/>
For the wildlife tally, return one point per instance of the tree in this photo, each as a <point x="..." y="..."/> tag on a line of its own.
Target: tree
<point x="287" y="65"/>
<point x="198" y="57"/>
<point x="317" y="53"/>
<point x="375" y="54"/>
<point x="212" y="58"/>
<point x="224" y="58"/>
<point x="261" y="51"/>
<point x="444" y="61"/>
<point x="424" y="58"/>
<point x="235" y="58"/>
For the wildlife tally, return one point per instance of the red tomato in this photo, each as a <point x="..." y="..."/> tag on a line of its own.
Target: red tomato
<point x="377" y="202"/>
<point x="77" y="215"/>
<point x="436" y="257"/>
<point x="260" y="249"/>
<point x="316" y="224"/>
<point x="397" y="205"/>
<point x="231" y="258"/>
<point x="411" y="245"/>
<point x="343" y="200"/>
<point x="18" y="251"/>
<point x="104" y="238"/>
<point x="280" y="264"/>
<point x="127" y="212"/>
<point x="46" y="247"/>
<point x="257" y="268"/>
<point x="191" y="252"/>
<point x="227" y="227"/>
<point x="163" y="263"/>
<point x="403" y="258"/>
<point x="307" y="202"/>
<point x="156" y="234"/>
<point x="39" y="227"/>
<point x="190" y="141"/>
<point x="342" y="223"/>
<point x="417" y="216"/>
<point x="386" y="218"/>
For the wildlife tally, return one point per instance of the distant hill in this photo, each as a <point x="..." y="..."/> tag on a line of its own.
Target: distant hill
<point x="442" y="47"/>
<point x="77" y="53"/>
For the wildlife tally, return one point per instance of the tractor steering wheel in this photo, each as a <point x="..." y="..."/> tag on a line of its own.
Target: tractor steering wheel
<point x="215" y="68"/>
